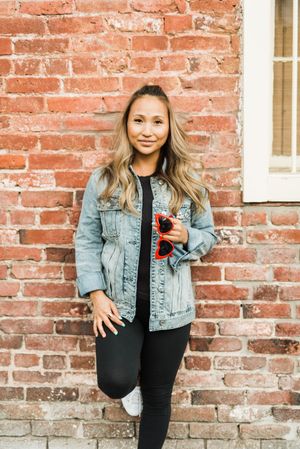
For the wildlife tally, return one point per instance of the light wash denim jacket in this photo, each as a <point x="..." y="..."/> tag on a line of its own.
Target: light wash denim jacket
<point x="107" y="247"/>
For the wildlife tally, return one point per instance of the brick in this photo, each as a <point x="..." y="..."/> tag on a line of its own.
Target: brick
<point x="217" y="344"/>
<point x="12" y="308"/>
<point x="82" y="65"/>
<point x="198" y="363"/>
<point x="47" y="199"/>
<point x="73" y="443"/>
<point x="28" y="104"/>
<point x="51" y="343"/>
<point x="46" y="7"/>
<point x="18" y="25"/>
<point x="281" y="365"/>
<point x="252" y="218"/>
<point x="264" y="431"/>
<point x="51" y="394"/>
<point x="42" y="46"/>
<point x="108" y="42"/>
<point x="233" y="444"/>
<point x="202" y="328"/>
<point x="29" y="443"/>
<point x="220" y="292"/>
<point x="205" y="43"/>
<point x="49" y="290"/>
<point x="247" y="273"/>
<point x="286" y="414"/>
<point x="199" y="413"/>
<point x="211" y="123"/>
<point x="26" y="326"/>
<point x="213" y="6"/>
<point x="12" y="162"/>
<point x="253" y="363"/>
<point x="215" y="397"/>
<point x="276" y="444"/>
<point x="287" y="329"/>
<point x="59" y="161"/>
<point x="271" y="236"/>
<point x="225" y="160"/>
<point x="91" y="84"/>
<point x="244" y="413"/>
<point x="250" y="380"/>
<point x="201" y="430"/>
<point x="67" y="104"/>
<point x="237" y="328"/>
<point x="206" y="273"/>
<point x="23" y="271"/>
<point x="227" y="363"/>
<point x="261" y="310"/>
<point x="135" y="23"/>
<point x="45" y="236"/>
<point x="269" y="397"/>
<point x="57" y="67"/>
<point x="290" y="293"/>
<point x="69" y="25"/>
<point x="217" y="311"/>
<point x="170" y="63"/>
<point x="274" y="346"/>
<point x="28" y="67"/>
<point x="232" y="255"/>
<point x="288" y="217"/>
<point x="157" y="6"/>
<point x="287" y="274"/>
<point x="108" y="430"/>
<point x="8" y="7"/>
<point x="143" y="64"/>
<point x="5" y="66"/>
<point x="278" y="255"/>
<point x="149" y="43"/>
<point x="104" y="6"/>
<point x="38" y="85"/>
<point x="178" y="24"/>
<point x="265" y="292"/>
<point x="5" y="46"/>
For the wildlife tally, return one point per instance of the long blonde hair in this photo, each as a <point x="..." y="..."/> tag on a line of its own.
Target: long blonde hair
<point x="179" y="174"/>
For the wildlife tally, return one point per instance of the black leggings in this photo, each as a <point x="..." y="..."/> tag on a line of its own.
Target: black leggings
<point x="156" y="356"/>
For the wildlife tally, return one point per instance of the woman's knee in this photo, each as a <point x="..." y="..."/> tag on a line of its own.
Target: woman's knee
<point x="157" y="397"/>
<point x="115" y="386"/>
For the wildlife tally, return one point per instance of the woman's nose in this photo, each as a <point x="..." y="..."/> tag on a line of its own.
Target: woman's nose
<point x="147" y="129"/>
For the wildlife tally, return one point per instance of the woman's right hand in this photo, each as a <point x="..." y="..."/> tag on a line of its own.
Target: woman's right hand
<point x="104" y="310"/>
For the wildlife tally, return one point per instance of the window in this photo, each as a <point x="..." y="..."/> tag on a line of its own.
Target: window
<point x="271" y="67"/>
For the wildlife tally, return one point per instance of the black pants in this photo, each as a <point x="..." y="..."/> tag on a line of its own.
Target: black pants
<point x="156" y="356"/>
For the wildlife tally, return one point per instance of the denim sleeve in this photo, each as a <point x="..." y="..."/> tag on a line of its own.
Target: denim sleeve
<point x="89" y="244"/>
<point x="201" y="238"/>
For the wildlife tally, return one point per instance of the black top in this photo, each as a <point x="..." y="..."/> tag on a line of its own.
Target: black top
<point x="143" y="282"/>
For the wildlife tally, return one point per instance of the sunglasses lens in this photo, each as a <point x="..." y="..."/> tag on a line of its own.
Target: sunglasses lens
<point x="165" y="248"/>
<point x="165" y="225"/>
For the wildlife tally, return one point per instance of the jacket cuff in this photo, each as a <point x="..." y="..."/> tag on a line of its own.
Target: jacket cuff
<point x="89" y="282"/>
<point x="190" y="251"/>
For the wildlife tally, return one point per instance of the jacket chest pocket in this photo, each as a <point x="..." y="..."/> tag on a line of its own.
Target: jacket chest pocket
<point x="184" y="213"/>
<point x="111" y="215"/>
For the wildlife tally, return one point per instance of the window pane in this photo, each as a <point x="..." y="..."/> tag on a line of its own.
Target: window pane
<point x="283" y="27"/>
<point x="282" y="108"/>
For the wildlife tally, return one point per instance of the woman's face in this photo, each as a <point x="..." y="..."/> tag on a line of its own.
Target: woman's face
<point x="148" y="125"/>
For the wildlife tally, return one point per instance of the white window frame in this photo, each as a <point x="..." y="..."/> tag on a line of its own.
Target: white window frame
<point x="258" y="44"/>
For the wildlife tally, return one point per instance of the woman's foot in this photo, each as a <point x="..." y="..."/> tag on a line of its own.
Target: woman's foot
<point x="133" y="402"/>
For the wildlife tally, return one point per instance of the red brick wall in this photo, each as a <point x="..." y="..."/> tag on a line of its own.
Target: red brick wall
<point x="67" y="69"/>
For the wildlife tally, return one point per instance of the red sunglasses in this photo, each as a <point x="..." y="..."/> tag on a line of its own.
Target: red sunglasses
<point x="164" y="247"/>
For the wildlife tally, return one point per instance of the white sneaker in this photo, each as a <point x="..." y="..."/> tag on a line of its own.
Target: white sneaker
<point x="133" y="402"/>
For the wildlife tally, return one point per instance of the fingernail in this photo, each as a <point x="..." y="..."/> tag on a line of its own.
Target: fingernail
<point x="123" y="324"/>
<point x="116" y="333"/>
<point x="120" y="318"/>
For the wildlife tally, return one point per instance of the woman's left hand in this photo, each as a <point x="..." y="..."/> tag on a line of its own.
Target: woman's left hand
<point x="179" y="233"/>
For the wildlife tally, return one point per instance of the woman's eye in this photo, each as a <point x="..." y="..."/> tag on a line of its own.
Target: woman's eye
<point x="138" y="120"/>
<point x="158" y="122"/>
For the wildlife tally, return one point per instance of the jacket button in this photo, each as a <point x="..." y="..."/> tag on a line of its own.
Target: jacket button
<point x="162" y="322"/>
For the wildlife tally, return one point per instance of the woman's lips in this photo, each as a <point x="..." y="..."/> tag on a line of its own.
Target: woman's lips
<point x="146" y="142"/>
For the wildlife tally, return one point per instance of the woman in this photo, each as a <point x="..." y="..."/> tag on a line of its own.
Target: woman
<point x="144" y="217"/>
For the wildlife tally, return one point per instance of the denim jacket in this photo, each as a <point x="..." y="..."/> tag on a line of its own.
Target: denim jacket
<point x="107" y="247"/>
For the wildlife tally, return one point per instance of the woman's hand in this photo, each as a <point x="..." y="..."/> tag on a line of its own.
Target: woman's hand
<point x="104" y="310"/>
<point x="179" y="233"/>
